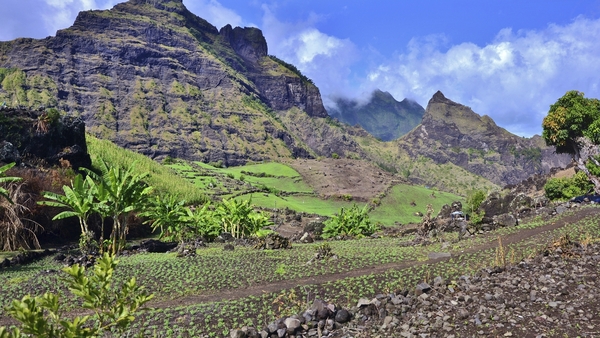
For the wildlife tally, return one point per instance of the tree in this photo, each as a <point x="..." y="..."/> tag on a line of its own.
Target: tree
<point x="239" y="218"/>
<point x="6" y="179"/>
<point x="112" y="308"/>
<point x="474" y="200"/>
<point x="167" y="214"/>
<point x="353" y="222"/>
<point x="572" y="124"/>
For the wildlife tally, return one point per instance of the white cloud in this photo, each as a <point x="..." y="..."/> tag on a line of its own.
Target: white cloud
<point x="62" y="13"/>
<point x="514" y="79"/>
<point x="213" y="12"/>
<point x="323" y="58"/>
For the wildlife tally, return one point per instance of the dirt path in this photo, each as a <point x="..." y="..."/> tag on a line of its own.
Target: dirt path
<point x="257" y="290"/>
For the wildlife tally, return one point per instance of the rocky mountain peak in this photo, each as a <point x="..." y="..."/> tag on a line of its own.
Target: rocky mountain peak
<point x="153" y="77"/>
<point x="247" y="42"/>
<point x="438" y="97"/>
<point x="452" y="132"/>
<point x="382" y="116"/>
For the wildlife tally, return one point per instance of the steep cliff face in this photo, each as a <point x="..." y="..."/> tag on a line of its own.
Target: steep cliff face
<point x="34" y="136"/>
<point x="451" y="132"/>
<point x="153" y="77"/>
<point x="382" y="116"/>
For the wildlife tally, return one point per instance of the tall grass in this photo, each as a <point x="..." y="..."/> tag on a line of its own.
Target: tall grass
<point x="162" y="178"/>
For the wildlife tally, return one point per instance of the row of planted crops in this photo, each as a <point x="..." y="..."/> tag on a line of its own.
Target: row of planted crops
<point x="254" y="287"/>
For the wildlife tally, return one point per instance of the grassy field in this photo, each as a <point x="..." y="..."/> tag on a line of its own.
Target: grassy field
<point x="396" y="205"/>
<point x="161" y="177"/>
<point x="306" y="203"/>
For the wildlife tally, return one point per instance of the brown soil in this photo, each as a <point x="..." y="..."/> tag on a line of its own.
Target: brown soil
<point x="342" y="177"/>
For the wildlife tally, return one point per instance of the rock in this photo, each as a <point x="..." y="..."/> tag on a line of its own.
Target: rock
<point x="342" y="316"/>
<point x="438" y="255"/>
<point x="422" y="288"/>
<point x="505" y="220"/>
<point x="62" y="138"/>
<point x="560" y="209"/>
<point x="228" y="247"/>
<point x="320" y="309"/>
<point x="237" y="334"/>
<point x="152" y="245"/>
<point x="9" y="153"/>
<point x="273" y="241"/>
<point x="306" y="238"/>
<point x="291" y="324"/>
<point x="363" y="302"/>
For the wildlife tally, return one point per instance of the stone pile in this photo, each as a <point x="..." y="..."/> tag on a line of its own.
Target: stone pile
<point x="273" y="241"/>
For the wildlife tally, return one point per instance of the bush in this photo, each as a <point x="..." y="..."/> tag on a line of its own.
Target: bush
<point x="353" y="222"/>
<point x="567" y="187"/>
<point x="239" y="218"/>
<point x="113" y="309"/>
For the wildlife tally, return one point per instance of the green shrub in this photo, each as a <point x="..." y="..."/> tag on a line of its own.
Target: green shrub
<point x="474" y="200"/>
<point x="111" y="308"/>
<point x="567" y="187"/>
<point x="239" y="218"/>
<point x="353" y="222"/>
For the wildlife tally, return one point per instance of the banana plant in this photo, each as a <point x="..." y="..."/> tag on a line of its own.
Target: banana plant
<point x="6" y="179"/>
<point x="166" y="213"/>
<point x="202" y="222"/>
<point x="126" y="192"/>
<point x="78" y="200"/>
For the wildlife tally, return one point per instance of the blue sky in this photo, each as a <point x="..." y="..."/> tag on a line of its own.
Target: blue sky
<point x="504" y="58"/>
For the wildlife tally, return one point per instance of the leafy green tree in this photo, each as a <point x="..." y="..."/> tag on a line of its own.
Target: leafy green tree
<point x="6" y="179"/>
<point x="79" y="201"/>
<point x="353" y="222"/>
<point x="113" y="310"/>
<point x="474" y="200"/>
<point x="573" y="123"/>
<point x="203" y="222"/>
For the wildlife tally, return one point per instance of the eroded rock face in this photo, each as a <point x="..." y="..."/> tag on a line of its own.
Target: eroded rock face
<point x="153" y="77"/>
<point x="25" y="136"/>
<point x="451" y="132"/>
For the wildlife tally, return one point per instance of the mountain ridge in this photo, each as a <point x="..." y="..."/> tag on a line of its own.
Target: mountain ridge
<point x="382" y="115"/>
<point x="453" y="133"/>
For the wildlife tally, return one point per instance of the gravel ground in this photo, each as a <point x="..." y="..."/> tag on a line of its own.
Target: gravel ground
<point x="552" y="295"/>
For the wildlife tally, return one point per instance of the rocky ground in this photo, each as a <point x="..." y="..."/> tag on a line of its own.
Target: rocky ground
<point x="554" y="294"/>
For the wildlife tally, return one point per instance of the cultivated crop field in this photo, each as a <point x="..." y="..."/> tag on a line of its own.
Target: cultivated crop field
<point x="217" y="290"/>
<point x="277" y="185"/>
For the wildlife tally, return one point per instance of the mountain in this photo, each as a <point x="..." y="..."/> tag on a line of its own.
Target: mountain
<point x="382" y="116"/>
<point x="155" y="78"/>
<point x="453" y="133"/>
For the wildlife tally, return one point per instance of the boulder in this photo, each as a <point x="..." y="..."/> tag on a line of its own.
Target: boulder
<point x="152" y="245"/>
<point x="505" y="220"/>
